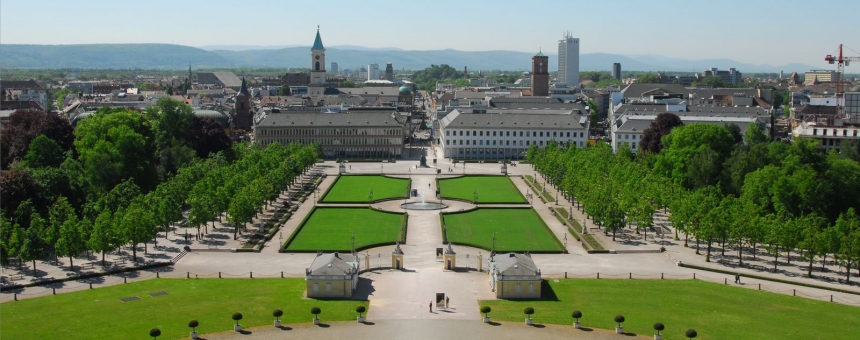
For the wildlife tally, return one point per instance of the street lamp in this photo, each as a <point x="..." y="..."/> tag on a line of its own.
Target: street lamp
<point x="556" y="198"/>
<point x="494" y="242"/>
<point x="565" y="242"/>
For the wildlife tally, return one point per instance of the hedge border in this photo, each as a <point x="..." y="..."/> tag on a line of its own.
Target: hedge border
<point x="283" y="248"/>
<point x="543" y="223"/>
<point x="405" y="196"/>
<point x="87" y="276"/>
<point x="525" y="200"/>
<point x="729" y="272"/>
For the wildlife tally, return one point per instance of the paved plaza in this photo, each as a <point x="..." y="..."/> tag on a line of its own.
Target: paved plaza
<point x="399" y="298"/>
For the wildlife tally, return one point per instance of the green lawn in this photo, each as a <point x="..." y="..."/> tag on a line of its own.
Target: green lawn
<point x="356" y="189"/>
<point x="331" y="229"/>
<point x="715" y="311"/>
<point x="516" y="230"/>
<point x="99" y="313"/>
<point x="490" y="189"/>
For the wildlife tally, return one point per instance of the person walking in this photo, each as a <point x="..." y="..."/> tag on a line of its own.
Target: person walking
<point x="431" y="306"/>
<point x="737" y="278"/>
<point x="447" y="299"/>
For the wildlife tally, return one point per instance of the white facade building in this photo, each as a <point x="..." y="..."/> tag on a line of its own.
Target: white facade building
<point x="509" y="135"/>
<point x="568" y="60"/>
<point x="373" y="72"/>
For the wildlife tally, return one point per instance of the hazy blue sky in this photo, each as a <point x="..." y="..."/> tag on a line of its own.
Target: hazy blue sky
<point x="753" y="31"/>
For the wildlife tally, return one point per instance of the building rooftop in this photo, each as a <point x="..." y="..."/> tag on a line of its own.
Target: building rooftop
<point x="513" y="120"/>
<point x="332" y="264"/>
<point x="513" y="264"/>
<point x="318" y="119"/>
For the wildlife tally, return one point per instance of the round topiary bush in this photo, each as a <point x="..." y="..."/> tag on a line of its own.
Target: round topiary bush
<point x="155" y="332"/>
<point x="529" y="311"/>
<point x="277" y="313"/>
<point x="486" y="310"/>
<point x="619" y="319"/>
<point x="691" y="333"/>
<point x="316" y="311"/>
<point x="659" y="327"/>
<point x="576" y="315"/>
<point x="193" y="324"/>
<point x="360" y="309"/>
<point x="237" y="316"/>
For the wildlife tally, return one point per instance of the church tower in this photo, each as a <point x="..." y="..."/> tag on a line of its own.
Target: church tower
<point x="242" y="120"/>
<point x="318" y="61"/>
<point x="540" y="75"/>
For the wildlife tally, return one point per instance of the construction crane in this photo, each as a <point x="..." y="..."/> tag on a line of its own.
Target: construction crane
<point x="841" y="61"/>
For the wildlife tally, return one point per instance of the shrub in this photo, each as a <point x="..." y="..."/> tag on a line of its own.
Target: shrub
<point x="277" y="313"/>
<point x="193" y="324"/>
<point x="486" y="310"/>
<point x="529" y="311"/>
<point x="576" y="315"/>
<point x="619" y="319"/>
<point x="237" y="316"/>
<point x="691" y="333"/>
<point x="360" y="309"/>
<point x="316" y="311"/>
<point x="155" y="332"/>
<point x="658" y="327"/>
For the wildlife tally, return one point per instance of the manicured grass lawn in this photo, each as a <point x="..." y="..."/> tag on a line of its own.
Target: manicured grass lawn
<point x="715" y="311"/>
<point x="99" y="313"/>
<point x="331" y="229"/>
<point x="516" y="230"/>
<point x="357" y="188"/>
<point x="491" y="189"/>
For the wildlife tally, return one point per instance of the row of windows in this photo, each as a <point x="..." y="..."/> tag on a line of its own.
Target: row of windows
<point x="519" y="289"/>
<point x="506" y="142"/>
<point x="341" y="141"/>
<point x="329" y="132"/>
<point x="845" y="132"/>
<point x="634" y="137"/>
<point x="480" y="133"/>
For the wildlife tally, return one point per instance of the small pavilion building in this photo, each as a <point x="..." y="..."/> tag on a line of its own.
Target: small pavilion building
<point x="332" y="275"/>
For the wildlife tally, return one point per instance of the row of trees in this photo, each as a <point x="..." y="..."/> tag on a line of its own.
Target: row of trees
<point x="721" y="187"/>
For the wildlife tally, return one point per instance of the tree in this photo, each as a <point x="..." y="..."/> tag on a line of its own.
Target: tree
<point x="811" y="243"/>
<point x="116" y="146"/>
<point x="61" y="213"/>
<point x="155" y="333"/>
<point x="528" y="311"/>
<point x="652" y="137"/>
<point x="138" y="226"/>
<point x="17" y="186"/>
<point x="206" y="136"/>
<point x="44" y="152"/>
<point x="27" y="124"/>
<point x="735" y="131"/>
<point x="236" y="317"/>
<point x="713" y="81"/>
<point x="32" y="247"/>
<point x="361" y="309"/>
<point x="755" y="135"/>
<point x="101" y="238"/>
<point x="486" y="310"/>
<point x="71" y="241"/>
<point x="849" y="253"/>
<point x="284" y="90"/>
<point x="649" y="78"/>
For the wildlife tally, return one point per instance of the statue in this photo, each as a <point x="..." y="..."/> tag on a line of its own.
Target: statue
<point x="397" y="249"/>
<point x="423" y="157"/>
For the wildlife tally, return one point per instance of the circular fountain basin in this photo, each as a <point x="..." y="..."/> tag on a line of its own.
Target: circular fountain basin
<point x="423" y="206"/>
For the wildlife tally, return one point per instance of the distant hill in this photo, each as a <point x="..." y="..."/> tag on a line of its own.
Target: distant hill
<point x="166" y="56"/>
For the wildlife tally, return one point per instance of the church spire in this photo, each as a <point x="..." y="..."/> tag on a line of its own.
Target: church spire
<point x="244" y="90"/>
<point x="318" y="45"/>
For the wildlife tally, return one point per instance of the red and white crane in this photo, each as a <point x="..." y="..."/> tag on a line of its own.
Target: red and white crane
<point x="841" y="61"/>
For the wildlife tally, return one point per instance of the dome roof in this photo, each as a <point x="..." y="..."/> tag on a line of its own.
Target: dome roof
<point x="404" y="89"/>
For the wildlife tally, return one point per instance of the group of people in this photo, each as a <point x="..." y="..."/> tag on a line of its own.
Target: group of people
<point x="447" y="300"/>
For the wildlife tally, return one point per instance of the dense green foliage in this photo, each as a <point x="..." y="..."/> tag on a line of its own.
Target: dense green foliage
<point x="718" y="189"/>
<point x="332" y="229"/>
<point x="357" y="189"/>
<point x="209" y="301"/>
<point x="716" y="311"/>
<point x="489" y="189"/>
<point x="515" y="230"/>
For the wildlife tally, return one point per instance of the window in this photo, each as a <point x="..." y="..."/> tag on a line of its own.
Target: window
<point x="328" y="287"/>
<point x="447" y="132"/>
<point x="467" y="133"/>
<point x="494" y="133"/>
<point x="527" y="134"/>
<point x="554" y="134"/>
<point x="316" y="287"/>
<point x="568" y="134"/>
<point x="461" y="132"/>
<point x="541" y="134"/>
<point x="519" y="288"/>
<point x="508" y="134"/>
<point x="531" y="287"/>
<point x="481" y="133"/>
<point x="467" y="142"/>
<point x="521" y="133"/>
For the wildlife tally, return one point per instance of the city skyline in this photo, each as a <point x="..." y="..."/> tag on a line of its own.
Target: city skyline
<point x="749" y="32"/>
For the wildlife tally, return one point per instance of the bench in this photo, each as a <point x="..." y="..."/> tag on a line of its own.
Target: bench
<point x="16" y="277"/>
<point x="88" y="265"/>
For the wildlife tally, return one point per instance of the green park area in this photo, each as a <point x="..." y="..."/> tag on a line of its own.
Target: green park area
<point x="101" y="314"/>
<point x="516" y="229"/>
<point x="489" y="189"/>
<point x="331" y="229"/>
<point x="358" y="188"/>
<point x="715" y="311"/>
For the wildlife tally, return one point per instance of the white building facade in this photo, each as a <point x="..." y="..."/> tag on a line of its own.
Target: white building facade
<point x="373" y="72"/>
<point x="568" y="60"/>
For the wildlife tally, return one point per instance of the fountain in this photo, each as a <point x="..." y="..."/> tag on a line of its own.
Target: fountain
<point x="423" y="205"/>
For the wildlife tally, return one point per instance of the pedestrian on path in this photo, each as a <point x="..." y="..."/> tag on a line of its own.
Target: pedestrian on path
<point x="447" y="299"/>
<point x="738" y="278"/>
<point x="431" y="306"/>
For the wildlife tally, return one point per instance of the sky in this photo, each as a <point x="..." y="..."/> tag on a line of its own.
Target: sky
<point x="772" y="32"/>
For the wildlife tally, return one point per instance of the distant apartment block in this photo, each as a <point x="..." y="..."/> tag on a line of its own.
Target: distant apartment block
<point x="732" y="76"/>
<point x="568" y="60"/>
<point x="819" y="76"/>
<point x="334" y="67"/>
<point x="222" y="79"/>
<point x="616" y="71"/>
<point x="24" y="91"/>
<point x="372" y="71"/>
